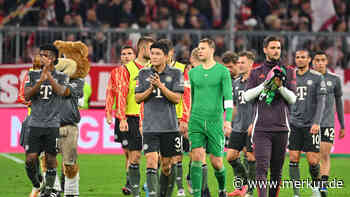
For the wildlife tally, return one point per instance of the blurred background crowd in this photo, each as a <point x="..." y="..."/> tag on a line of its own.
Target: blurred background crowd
<point x="101" y="24"/>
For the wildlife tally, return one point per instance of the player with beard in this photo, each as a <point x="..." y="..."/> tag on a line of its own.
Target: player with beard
<point x="334" y="95"/>
<point x="127" y="127"/>
<point x="127" y="54"/>
<point x="160" y="87"/>
<point x="229" y="59"/>
<point x="270" y="123"/>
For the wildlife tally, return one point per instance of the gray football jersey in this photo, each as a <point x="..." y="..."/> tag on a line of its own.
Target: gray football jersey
<point x="159" y="112"/>
<point x="46" y="104"/>
<point x="244" y="115"/>
<point x="310" y="87"/>
<point x="71" y="114"/>
<point x="334" y="89"/>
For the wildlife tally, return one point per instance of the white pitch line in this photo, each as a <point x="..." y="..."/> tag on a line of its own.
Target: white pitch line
<point x="15" y="159"/>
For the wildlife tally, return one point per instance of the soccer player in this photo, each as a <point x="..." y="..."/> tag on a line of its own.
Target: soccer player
<point x="334" y="95"/>
<point x="211" y="89"/>
<point x="305" y="119"/>
<point x="270" y="123"/>
<point x="194" y="62"/>
<point x="229" y="60"/>
<point x="114" y="84"/>
<point x="160" y="87"/>
<point x="239" y="138"/>
<point x="179" y="112"/>
<point x="44" y="89"/>
<point x="127" y="129"/>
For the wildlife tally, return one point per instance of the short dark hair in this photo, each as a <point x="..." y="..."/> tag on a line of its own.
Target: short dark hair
<point x="49" y="47"/>
<point x="126" y="47"/>
<point x="250" y="55"/>
<point x="320" y="53"/>
<point x="229" y="56"/>
<point x="144" y="40"/>
<point x="209" y="41"/>
<point x="303" y="49"/>
<point x="161" y="46"/>
<point x="269" y="39"/>
<point x="167" y="42"/>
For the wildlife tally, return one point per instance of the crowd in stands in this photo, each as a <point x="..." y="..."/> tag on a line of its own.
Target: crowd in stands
<point x="99" y="15"/>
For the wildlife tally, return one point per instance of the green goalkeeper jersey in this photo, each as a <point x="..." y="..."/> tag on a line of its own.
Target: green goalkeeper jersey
<point x="211" y="92"/>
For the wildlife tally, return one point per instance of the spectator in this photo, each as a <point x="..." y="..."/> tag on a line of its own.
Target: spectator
<point x="102" y="11"/>
<point x="99" y="47"/>
<point x="126" y="12"/>
<point x="91" y="20"/>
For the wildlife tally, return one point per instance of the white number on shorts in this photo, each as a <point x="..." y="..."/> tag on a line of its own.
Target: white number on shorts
<point x="329" y="132"/>
<point x="316" y="138"/>
<point x="178" y="142"/>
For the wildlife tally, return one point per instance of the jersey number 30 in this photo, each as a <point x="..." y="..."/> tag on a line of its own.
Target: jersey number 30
<point x="45" y="91"/>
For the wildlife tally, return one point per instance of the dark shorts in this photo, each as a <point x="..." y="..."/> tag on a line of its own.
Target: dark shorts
<point x="185" y="145"/>
<point x="42" y="139"/>
<point x="301" y="139"/>
<point x="23" y="139"/>
<point x="238" y="141"/>
<point x="168" y="144"/>
<point x="327" y="134"/>
<point x="132" y="139"/>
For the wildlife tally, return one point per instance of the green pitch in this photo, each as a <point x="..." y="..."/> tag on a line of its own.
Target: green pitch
<point x="104" y="176"/>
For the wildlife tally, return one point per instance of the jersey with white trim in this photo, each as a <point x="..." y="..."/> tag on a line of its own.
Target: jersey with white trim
<point x="210" y="89"/>
<point x="244" y="115"/>
<point x="310" y="86"/>
<point x="46" y="104"/>
<point x="159" y="112"/>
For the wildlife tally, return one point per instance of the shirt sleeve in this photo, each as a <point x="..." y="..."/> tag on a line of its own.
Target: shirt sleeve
<point x="29" y="82"/>
<point x="178" y="85"/>
<point x="338" y="93"/>
<point x="186" y="104"/>
<point x="141" y="83"/>
<point x="321" y="100"/>
<point x="227" y="91"/>
<point x="21" y="98"/>
<point x="111" y="91"/>
<point x="291" y="80"/>
<point x="122" y="93"/>
<point x="76" y="88"/>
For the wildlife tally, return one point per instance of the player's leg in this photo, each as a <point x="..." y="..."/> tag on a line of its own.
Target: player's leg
<point x="197" y="140"/>
<point x="151" y="147"/>
<point x="170" y="148"/>
<point x="250" y="163"/>
<point x="134" y="143"/>
<point x="216" y="143"/>
<point x="296" y="142"/>
<point x="33" y="148"/>
<point x="69" y="143"/>
<point x="312" y="150"/>
<point x="51" y="140"/>
<point x="122" y="138"/>
<point x="235" y="146"/>
<point x="327" y="139"/>
<point x="263" y="151"/>
<point x="279" y="146"/>
<point x="205" y="188"/>
<point x="179" y="172"/>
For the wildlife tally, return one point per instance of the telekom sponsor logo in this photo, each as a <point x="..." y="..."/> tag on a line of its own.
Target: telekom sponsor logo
<point x="96" y="136"/>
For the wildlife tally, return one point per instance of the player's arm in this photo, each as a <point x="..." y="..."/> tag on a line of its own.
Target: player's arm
<point x="253" y="89"/>
<point x="123" y="90"/>
<point x="338" y="94"/>
<point x="227" y="91"/>
<point x="321" y="101"/>
<point x="142" y="92"/>
<point x="60" y="90"/>
<point x="186" y="104"/>
<point x="175" y="92"/>
<point x="111" y="94"/>
<point x="32" y="88"/>
<point x="288" y="92"/>
<point x="21" y="97"/>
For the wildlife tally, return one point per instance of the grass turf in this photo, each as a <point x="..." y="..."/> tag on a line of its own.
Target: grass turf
<point x="104" y="176"/>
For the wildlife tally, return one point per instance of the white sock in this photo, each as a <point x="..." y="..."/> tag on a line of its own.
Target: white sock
<point x="71" y="186"/>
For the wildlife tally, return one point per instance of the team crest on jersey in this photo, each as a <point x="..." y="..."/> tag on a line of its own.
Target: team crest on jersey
<point x="309" y="82"/>
<point x="168" y="79"/>
<point x="125" y="142"/>
<point x="329" y="83"/>
<point x="145" y="146"/>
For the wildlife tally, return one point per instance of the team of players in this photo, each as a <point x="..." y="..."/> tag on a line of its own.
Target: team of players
<point x="202" y="94"/>
<point x="299" y="106"/>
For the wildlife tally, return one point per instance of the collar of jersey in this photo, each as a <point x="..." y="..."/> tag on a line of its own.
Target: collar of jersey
<point x="164" y="71"/>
